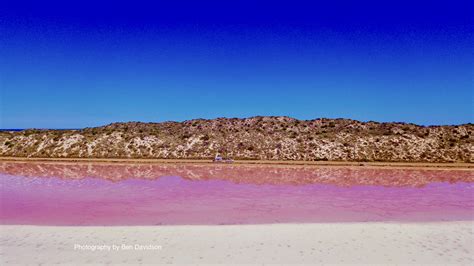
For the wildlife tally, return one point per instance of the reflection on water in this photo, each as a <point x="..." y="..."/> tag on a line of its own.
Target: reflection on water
<point x="131" y="194"/>
<point x="271" y="175"/>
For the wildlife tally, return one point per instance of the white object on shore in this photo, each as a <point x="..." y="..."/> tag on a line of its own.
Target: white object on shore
<point x="220" y="159"/>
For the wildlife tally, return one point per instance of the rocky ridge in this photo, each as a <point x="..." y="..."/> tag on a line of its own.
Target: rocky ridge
<point x="260" y="138"/>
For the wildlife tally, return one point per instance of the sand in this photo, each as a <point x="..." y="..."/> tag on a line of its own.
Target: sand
<point x="341" y="243"/>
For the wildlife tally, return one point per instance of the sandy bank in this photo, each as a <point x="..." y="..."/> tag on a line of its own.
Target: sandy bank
<point x="362" y="243"/>
<point x="416" y="165"/>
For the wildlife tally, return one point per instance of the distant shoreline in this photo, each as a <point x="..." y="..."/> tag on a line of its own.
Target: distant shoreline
<point x="414" y="165"/>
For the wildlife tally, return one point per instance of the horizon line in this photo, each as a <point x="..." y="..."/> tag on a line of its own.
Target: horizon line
<point x="241" y="118"/>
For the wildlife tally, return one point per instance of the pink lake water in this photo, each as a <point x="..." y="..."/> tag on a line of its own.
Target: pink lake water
<point x="170" y="194"/>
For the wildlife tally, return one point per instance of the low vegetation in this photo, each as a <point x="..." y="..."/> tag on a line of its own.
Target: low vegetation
<point x="265" y="138"/>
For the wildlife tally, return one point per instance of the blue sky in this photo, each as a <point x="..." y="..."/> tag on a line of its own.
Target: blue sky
<point x="66" y="65"/>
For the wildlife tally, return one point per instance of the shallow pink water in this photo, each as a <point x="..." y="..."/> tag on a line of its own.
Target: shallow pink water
<point x="99" y="194"/>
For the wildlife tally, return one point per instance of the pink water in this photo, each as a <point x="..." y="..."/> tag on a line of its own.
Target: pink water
<point x="131" y="194"/>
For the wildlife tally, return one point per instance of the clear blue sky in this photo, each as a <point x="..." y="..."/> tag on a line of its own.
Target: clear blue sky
<point x="67" y="65"/>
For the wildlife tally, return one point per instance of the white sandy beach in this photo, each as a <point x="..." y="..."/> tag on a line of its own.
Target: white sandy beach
<point x="341" y="243"/>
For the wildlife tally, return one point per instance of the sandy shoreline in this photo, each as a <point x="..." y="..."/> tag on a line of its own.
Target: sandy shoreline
<point x="354" y="243"/>
<point x="411" y="165"/>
